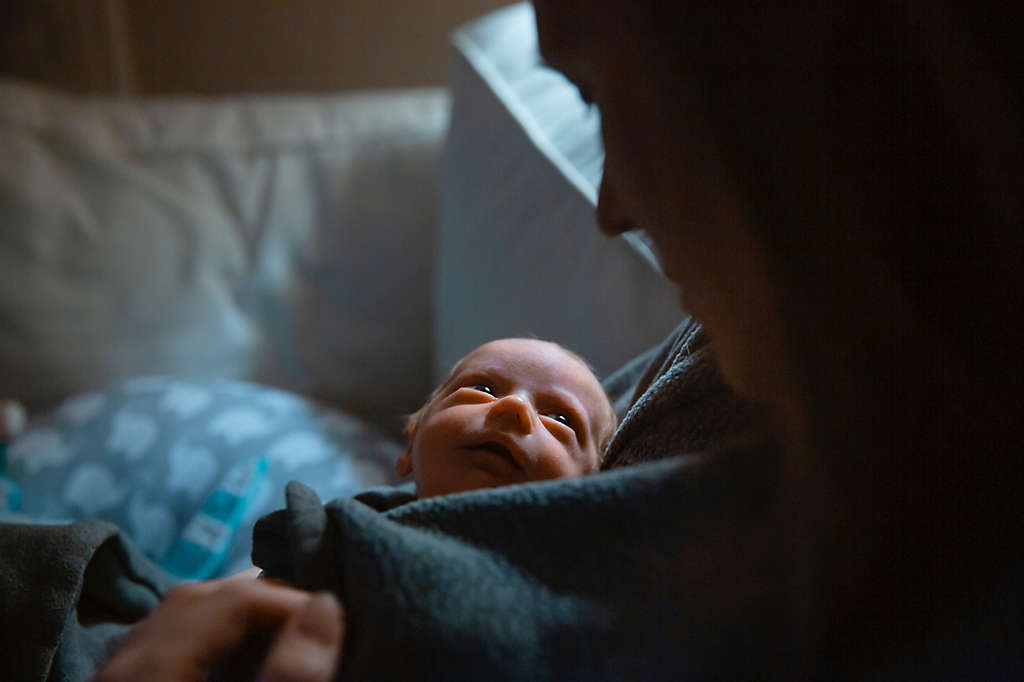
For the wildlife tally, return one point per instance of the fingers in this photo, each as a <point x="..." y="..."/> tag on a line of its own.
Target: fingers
<point x="233" y="608"/>
<point x="308" y="646"/>
<point x="197" y="624"/>
<point x="253" y="573"/>
<point x="247" y="574"/>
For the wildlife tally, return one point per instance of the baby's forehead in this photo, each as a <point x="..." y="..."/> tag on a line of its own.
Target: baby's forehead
<point x="523" y="355"/>
<point x="543" y="363"/>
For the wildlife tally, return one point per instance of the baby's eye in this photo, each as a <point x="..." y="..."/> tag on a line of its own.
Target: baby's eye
<point x="561" y="418"/>
<point x="483" y="388"/>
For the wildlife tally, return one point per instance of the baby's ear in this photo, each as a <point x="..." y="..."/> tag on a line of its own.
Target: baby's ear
<point x="412" y="422"/>
<point x="403" y="465"/>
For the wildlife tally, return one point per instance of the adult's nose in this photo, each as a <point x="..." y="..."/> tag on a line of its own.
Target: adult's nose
<point x="512" y="412"/>
<point x="611" y="217"/>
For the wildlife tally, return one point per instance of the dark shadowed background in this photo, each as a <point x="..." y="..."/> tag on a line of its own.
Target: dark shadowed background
<point x="224" y="46"/>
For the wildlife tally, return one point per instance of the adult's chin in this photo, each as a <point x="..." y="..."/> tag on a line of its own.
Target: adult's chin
<point x="756" y="369"/>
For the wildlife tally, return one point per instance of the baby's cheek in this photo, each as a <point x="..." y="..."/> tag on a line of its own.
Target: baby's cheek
<point x="559" y="464"/>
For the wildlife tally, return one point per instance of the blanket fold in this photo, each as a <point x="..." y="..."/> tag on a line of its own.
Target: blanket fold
<point x="69" y="591"/>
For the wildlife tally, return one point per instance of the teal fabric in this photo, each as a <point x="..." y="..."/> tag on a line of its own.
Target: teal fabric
<point x="144" y="454"/>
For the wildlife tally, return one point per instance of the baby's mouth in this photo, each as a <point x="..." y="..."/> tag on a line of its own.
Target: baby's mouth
<point x="499" y="450"/>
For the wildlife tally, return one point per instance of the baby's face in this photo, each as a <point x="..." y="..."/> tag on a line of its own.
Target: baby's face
<point x="512" y="411"/>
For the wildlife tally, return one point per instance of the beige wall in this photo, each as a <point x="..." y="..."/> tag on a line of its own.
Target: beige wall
<point x="210" y="46"/>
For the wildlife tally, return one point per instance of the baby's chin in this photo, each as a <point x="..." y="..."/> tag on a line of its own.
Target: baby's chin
<point x="475" y="478"/>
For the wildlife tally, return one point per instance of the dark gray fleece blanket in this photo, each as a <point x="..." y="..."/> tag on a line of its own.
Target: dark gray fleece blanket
<point x="67" y="592"/>
<point x="664" y="570"/>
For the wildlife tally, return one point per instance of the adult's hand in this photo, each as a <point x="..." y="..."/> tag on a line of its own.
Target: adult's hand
<point x="199" y="624"/>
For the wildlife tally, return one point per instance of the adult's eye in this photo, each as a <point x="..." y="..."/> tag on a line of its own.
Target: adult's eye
<point x="483" y="388"/>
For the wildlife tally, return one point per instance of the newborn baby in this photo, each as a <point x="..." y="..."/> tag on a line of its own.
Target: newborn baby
<point x="512" y="411"/>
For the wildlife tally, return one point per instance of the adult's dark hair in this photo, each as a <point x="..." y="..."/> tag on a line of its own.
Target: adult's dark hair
<point x="878" y="148"/>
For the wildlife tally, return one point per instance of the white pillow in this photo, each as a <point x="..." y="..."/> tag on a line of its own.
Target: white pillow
<point x="519" y="252"/>
<point x="283" y="239"/>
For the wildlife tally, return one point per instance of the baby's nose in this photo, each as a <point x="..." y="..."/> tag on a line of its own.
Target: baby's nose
<point x="512" y="411"/>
